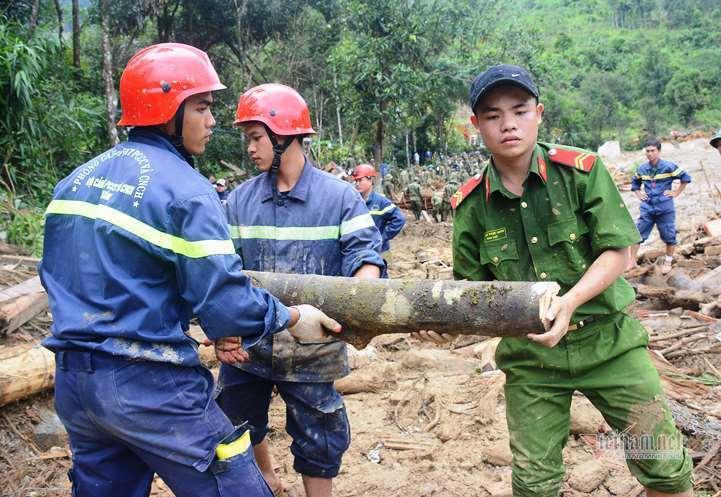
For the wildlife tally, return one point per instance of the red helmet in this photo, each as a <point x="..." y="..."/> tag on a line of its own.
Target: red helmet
<point x="364" y="171"/>
<point x="159" y="78"/>
<point x="279" y="107"/>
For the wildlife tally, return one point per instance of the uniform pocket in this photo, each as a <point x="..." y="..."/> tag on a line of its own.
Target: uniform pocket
<point x="498" y="252"/>
<point x="567" y="230"/>
<point x="571" y="249"/>
<point x="240" y="475"/>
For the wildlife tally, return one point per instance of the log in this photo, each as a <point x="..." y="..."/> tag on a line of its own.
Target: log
<point x="20" y="260"/>
<point x="24" y="371"/>
<point x="370" y="307"/>
<point x="16" y="312"/>
<point x="680" y="280"/>
<point x="710" y="281"/>
<point x="28" y="286"/>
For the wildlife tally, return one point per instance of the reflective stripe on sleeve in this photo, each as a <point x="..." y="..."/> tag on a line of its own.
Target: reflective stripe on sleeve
<point x="194" y="249"/>
<point x="383" y="211"/>
<point x="285" y="232"/>
<point x="291" y="233"/>
<point x="357" y="223"/>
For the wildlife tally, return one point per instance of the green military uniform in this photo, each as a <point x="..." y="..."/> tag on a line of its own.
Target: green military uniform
<point x="404" y="179"/>
<point x="388" y="187"/>
<point x="448" y="192"/>
<point x="570" y="212"/>
<point x="414" y="193"/>
<point x="437" y="202"/>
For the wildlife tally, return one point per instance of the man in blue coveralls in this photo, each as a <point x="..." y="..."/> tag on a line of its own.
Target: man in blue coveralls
<point x="387" y="217"/>
<point x="294" y="218"/>
<point x="656" y="177"/>
<point x="136" y="243"/>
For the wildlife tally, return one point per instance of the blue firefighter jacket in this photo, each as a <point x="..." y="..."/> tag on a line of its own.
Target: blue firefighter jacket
<point x="387" y="217"/>
<point x="136" y="243"/>
<point x="321" y="226"/>
<point x="655" y="180"/>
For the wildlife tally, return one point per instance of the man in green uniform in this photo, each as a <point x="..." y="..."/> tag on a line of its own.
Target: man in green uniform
<point x="389" y="189"/>
<point x="552" y="213"/>
<point x="414" y="193"/>
<point x="448" y="190"/>
<point x="437" y="203"/>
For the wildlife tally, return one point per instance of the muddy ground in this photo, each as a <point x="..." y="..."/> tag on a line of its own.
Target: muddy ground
<point x="433" y="420"/>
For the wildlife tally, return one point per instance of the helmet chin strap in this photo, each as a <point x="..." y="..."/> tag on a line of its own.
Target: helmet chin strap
<point x="177" y="137"/>
<point x="278" y="149"/>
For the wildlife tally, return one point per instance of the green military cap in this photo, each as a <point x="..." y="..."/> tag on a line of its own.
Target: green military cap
<point x="715" y="138"/>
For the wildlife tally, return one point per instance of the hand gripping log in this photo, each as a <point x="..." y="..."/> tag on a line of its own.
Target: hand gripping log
<point x="370" y="307"/>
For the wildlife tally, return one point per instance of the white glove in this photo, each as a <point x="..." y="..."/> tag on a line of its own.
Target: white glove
<point x="313" y="325"/>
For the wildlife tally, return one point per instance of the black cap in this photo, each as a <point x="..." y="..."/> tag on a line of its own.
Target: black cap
<point x="496" y="75"/>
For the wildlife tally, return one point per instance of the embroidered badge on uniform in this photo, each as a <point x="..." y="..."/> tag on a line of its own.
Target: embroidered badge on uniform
<point x="493" y="235"/>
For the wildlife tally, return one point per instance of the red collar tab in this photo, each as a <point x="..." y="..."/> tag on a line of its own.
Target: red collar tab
<point x="465" y="190"/>
<point x="577" y="159"/>
<point x="542" y="167"/>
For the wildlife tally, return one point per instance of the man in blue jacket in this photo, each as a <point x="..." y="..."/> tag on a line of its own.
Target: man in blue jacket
<point x="294" y="218"/>
<point x="136" y="244"/>
<point x="387" y="217"/>
<point x="653" y="185"/>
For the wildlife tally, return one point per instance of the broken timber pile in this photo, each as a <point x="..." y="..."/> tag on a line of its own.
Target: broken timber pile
<point x="370" y="307"/>
<point x="695" y="281"/>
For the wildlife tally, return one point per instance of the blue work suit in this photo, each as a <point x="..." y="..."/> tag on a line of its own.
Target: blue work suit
<point x="658" y="208"/>
<point x="321" y="226"/>
<point x="387" y="217"/>
<point x="136" y="244"/>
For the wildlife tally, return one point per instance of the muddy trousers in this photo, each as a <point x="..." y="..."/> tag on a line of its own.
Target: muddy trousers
<point x="316" y="417"/>
<point x="608" y="362"/>
<point x="127" y="420"/>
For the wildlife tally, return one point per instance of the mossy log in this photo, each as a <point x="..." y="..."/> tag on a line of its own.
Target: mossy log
<point x="370" y="307"/>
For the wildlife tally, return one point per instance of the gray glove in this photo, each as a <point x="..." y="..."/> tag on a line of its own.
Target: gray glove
<point x="313" y="325"/>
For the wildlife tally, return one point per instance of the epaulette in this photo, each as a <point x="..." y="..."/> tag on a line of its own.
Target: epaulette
<point x="572" y="157"/>
<point x="466" y="189"/>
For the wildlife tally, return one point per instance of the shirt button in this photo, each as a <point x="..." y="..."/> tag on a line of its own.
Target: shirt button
<point x="524" y="204"/>
<point x="552" y="152"/>
<point x="495" y="259"/>
<point x="534" y="239"/>
<point x="572" y="236"/>
<point x="543" y="276"/>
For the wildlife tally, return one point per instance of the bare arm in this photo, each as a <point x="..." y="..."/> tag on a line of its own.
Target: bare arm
<point x="368" y="271"/>
<point x="603" y="272"/>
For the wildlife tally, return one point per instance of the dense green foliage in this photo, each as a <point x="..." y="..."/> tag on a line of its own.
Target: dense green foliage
<point x="377" y="74"/>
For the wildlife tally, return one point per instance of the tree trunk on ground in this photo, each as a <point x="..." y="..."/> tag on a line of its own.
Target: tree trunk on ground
<point x="111" y="98"/>
<point x="59" y="11"/>
<point x="24" y="371"/>
<point x="76" y="34"/>
<point x="367" y="308"/>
